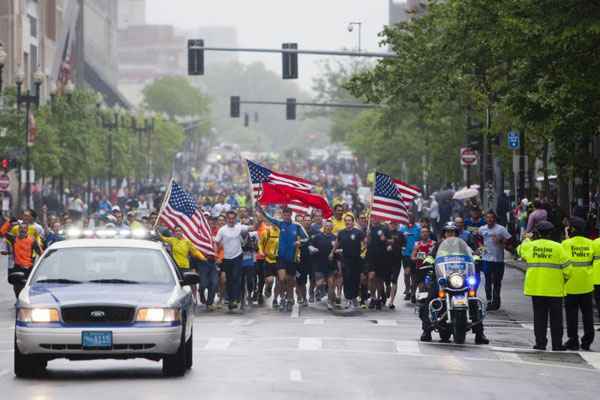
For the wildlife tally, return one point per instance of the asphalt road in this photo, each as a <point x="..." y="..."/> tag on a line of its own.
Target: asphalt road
<point x="312" y="353"/>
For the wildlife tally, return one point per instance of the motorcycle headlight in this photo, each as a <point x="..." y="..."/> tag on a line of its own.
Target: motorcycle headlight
<point x="456" y="281"/>
<point x="158" y="315"/>
<point x="39" y="315"/>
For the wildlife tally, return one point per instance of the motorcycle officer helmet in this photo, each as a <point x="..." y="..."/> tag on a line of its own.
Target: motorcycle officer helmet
<point x="450" y="227"/>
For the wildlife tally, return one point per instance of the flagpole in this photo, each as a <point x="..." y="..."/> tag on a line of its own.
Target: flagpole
<point x="371" y="204"/>
<point x="250" y="186"/>
<point x="164" y="202"/>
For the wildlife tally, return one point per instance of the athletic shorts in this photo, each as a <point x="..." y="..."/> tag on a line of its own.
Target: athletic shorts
<point x="270" y="269"/>
<point x="395" y="271"/>
<point x="289" y="266"/>
<point x="407" y="262"/>
<point x="302" y="273"/>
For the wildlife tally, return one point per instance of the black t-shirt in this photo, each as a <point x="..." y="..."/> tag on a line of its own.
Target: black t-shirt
<point x="324" y="243"/>
<point x="377" y="246"/>
<point x="350" y="242"/>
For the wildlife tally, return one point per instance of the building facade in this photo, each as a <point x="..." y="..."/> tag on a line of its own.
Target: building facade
<point x="28" y="33"/>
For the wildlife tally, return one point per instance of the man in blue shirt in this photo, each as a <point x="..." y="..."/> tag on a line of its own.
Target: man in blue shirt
<point x="291" y="236"/>
<point x="412" y="233"/>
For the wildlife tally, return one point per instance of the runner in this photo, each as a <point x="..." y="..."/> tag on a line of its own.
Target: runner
<point x="290" y="236"/>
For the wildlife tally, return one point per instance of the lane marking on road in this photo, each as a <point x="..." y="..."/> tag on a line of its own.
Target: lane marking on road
<point x="295" y="311"/>
<point x="310" y="343"/>
<point x="527" y="326"/>
<point x="591" y="358"/>
<point x="295" y="375"/>
<point x="241" y="322"/>
<point x="407" y="347"/>
<point x="218" y="344"/>
<point x="386" y="322"/>
<point x="314" y="321"/>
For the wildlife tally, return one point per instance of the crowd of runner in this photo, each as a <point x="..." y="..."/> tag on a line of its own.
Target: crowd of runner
<point x="279" y="258"/>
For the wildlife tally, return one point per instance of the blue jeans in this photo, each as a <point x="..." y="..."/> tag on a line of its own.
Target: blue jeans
<point x="208" y="280"/>
<point x="233" y="273"/>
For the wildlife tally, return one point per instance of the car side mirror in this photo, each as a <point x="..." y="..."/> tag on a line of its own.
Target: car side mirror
<point x="190" y="278"/>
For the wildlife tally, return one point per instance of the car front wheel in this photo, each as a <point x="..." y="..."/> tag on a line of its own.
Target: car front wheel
<point x="176" y="364"/>
<point x="28" y="366"/>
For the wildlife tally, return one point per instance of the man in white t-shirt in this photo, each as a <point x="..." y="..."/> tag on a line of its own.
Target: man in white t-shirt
<point x="230" y="237"/>
<point x="494" y="237"/>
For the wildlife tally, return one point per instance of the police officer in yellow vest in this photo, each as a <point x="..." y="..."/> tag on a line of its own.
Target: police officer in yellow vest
<point x="580" y="287"/>
<point x="545" y="283"/>
<point x="596" y="274"/>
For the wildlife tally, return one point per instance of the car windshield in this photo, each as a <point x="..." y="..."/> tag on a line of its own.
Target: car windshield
<point x="104" y="266"/>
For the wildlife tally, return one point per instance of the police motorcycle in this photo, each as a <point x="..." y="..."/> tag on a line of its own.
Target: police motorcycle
<point x="456" y="308"/>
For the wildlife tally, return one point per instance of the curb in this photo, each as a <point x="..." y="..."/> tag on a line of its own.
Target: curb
<point x="516" y="265"/>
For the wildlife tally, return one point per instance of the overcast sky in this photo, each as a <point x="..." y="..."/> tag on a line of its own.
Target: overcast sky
<point x="314" y="24"/>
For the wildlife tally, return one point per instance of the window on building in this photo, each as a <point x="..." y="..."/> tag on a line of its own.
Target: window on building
<point x="33" y="28"/>
<point x="33" y="57"/>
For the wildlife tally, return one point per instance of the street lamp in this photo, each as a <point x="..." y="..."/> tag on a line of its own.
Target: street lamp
<point x="28" y="99"/>
<point x="351" y="26"/>
<point x="146" y="129"/>
<point x="110" y="125"/>
<point x="3" y="56"/>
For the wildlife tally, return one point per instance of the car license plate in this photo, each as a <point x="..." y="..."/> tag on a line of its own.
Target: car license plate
<point x="96" y="340"/>
<point x="459" y="301"/>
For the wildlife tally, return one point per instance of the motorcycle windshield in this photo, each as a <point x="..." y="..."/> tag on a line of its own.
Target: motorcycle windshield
<point x="454" y="255"/>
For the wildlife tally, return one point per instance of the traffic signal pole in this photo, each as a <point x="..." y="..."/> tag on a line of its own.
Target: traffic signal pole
<point x="297" y="51"/>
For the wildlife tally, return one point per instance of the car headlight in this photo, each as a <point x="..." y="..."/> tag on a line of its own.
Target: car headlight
<point x="456" y="281"/>
<point x="39" y="315"/>
<point x="73" y="232"/>
<point x="139" y="233"/>
<point x="158" y="315"/>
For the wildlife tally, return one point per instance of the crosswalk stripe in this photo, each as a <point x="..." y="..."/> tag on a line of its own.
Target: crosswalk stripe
<point x="387" y="322"/>
<point x="295" y="375"/>
<point x="527" y="326"/>
<point x="314" y="321"/>
<point x="407" y="347"/>
<point x="218" y="343"/>
<point x="310" y="343"/>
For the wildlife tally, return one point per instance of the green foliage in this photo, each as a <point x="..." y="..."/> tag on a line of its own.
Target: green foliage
<point x="175" y="96"/>
<point x="71" y="141"/>
<point x="532" y="64"/>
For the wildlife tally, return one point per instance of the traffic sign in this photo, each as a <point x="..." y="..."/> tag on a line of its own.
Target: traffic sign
<point x="4" y="183"/>
<point x="514" y="140"/>
<point x="468" y="157"/>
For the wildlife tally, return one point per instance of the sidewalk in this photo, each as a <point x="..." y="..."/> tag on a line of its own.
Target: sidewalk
<point x="512" y="262"/>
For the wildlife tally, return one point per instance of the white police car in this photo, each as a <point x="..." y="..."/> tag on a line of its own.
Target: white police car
<point x="113" y="298"/>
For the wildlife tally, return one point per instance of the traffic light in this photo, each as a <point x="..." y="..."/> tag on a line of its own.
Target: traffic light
<point x="234" y="107"/>
<point x="5" y="164"/>
<point x="290" y="61"/>
<point x="290" y="109"/>
<point x="246" y="120"/>
<point x="195" y="57"/>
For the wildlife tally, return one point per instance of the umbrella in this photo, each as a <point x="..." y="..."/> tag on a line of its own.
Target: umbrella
<point x="466" y="193"/>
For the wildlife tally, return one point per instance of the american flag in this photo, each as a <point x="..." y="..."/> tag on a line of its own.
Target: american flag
<point x="391" y="199"/>
<point x="260" y="175"/>
<point x="180" y="209"/>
